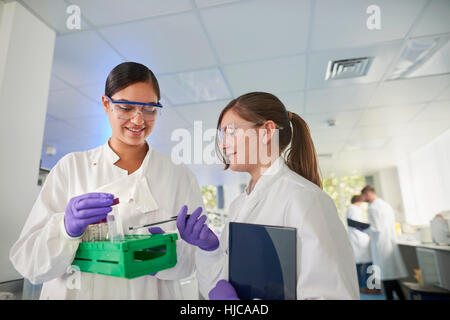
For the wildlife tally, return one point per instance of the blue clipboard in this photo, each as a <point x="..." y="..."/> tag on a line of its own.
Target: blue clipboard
<point x="263" y="261"/>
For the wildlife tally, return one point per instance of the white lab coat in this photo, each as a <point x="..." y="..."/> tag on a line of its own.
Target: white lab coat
<point x="359" y="240"/>
<point x="325" y="267"/>
<point x="44" y="251"/>
<point x="383" y="244"/>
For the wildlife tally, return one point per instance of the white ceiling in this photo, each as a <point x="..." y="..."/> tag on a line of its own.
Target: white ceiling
<point x="206" y="52"/>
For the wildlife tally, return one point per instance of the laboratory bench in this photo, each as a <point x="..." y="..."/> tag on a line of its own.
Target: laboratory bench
<point x="433" y="261"/>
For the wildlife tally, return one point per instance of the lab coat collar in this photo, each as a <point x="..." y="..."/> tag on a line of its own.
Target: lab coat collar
<point x="130" y="188"/>
<point x="109" y="153"/>
<point x="268" y="177"/>
<point x="111" y="157"/>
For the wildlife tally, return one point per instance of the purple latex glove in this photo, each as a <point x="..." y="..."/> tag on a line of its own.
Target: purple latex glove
<point x="155" y="230"/>
<point x="86" y="209"/>
<point x="223" y="291"/>
<point x="194" y="231"/>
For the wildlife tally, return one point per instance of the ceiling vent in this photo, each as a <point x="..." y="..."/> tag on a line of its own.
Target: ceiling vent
<point x="348" y="68"/>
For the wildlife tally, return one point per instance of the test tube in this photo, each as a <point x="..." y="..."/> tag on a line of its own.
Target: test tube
<point x="115" y="231"/>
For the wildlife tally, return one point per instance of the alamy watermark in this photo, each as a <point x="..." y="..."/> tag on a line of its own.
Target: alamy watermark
<point x="73" y="21"/>
<point x="242" y="146"/>
<point x="373" y="22"/>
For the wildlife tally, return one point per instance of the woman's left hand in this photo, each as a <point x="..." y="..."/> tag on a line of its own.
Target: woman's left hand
<point x="223" y="291"/>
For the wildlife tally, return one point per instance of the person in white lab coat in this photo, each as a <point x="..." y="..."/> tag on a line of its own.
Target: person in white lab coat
<point x="360" y="242"/>
<point x="383" y="245"/>
<point x="284" y="190"/>
<point x="79" y="191"/>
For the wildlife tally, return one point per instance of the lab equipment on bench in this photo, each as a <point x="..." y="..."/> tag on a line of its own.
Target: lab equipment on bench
<point x="440" y="228"/>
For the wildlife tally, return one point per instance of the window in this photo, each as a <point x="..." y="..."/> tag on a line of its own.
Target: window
<point x="342" y="189"/>
<point x="210" y="196"/>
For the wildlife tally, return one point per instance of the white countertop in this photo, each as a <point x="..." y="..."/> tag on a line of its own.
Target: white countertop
<point x="423" y="245"/>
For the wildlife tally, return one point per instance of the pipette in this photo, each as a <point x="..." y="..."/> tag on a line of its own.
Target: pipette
<point x="156" y="223"/>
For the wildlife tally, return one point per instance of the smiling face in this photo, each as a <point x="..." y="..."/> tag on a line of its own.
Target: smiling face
<point x="241" y="149"/>
<point x="134" y="131"/>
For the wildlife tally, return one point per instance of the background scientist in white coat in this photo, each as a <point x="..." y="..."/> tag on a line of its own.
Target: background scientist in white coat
<point x="360" y="242"/>
<point x="281" y="192"/>
<point x="383" y="244"/>
<point x="79" y="191"/>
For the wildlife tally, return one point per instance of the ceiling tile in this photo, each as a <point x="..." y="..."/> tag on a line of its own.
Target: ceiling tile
<point x="434" y="20"/>
<point x="94" y="92"/>
<point x="364" y="161"/>
<point x="171" y="119"/>
<point x="445" y="95"/>
<point x="332" y="27"/>
<point x="439" y="111"/>
<point x="410" y="65"/>
<point x="409" y="91"/>
<point x="377" y="131"/>
<point x="388" y="115"/>
<point x="382" y="56"/>
<point x="210" y="3"/>
<point x="54" y="13"/>
<point x="182" y="46"/>
<point x="330" y="134"/>
<point x="338" y="98"/>
<point x="83" y="58"/>
<point x="207" y="112"/>
<point x="91" y="126"/>
<point x="166" y="124"/>
<point x="344" y="120"/>
<point x="431" y="128"/>
<point x="365" y="144"/>
<point x="58" y="128"/>
<point x="68" y="103"/>
<point x="274" y="76"/>
<point x="409" y="143"/>
<point x="250" y="30"/>
<point x="56" y="83"/>
<point x="118" y="11"/>
<point x="401" y="129"/>
<point x="293" y="101"/>
<point x="65" y="144"/>
<point x="328" y="147"/>
<point x="196" y="86"/>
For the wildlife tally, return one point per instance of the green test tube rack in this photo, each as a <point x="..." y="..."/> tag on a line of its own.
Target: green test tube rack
<point x="135" y="256"/>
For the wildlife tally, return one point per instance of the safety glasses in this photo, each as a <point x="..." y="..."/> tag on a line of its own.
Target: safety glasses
<point x="127" y="110"/>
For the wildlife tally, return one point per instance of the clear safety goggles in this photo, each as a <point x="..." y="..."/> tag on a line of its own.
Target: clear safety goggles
<point x="231" y="130"/>
<point x="127" y="110"/>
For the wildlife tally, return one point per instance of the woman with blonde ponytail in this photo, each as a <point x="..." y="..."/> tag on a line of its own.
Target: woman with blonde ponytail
<point x="259" y="136"/>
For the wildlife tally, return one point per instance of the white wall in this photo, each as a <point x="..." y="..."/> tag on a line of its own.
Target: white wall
<point x="425" y="180"/>
<point x="26" y="53"/>
<point x="387" y="185"/>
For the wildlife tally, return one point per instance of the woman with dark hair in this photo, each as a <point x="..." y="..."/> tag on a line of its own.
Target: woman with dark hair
<point x="81" y="188"/>
<point x="259" y="136"/>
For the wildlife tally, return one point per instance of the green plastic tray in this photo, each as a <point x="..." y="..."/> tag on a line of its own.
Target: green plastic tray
<point x="135" y="256"/>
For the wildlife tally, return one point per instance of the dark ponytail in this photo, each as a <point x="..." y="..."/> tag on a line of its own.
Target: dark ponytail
<point x="301" y="156"/>
<point x="128" y="73"/>
<point x="259" y="107"/>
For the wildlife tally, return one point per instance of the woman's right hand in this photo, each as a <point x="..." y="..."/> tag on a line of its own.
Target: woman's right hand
<point x="195" y="231"/>
<point x="86" y="209"/>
